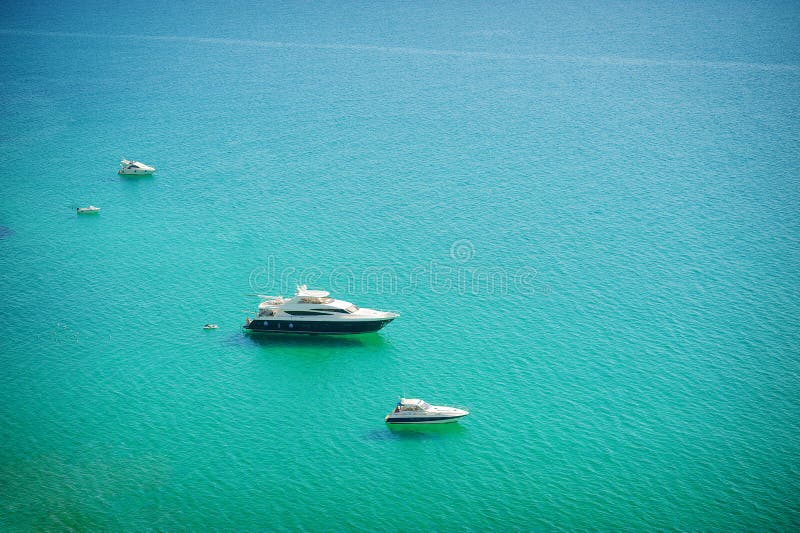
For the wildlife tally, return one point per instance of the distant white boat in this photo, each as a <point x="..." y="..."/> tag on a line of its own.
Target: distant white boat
<point x="210" y="326"/>
<point x="88" y="210"/>
<point x="134" y="167"/>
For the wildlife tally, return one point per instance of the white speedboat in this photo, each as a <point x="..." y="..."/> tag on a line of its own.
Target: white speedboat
<point x="88" y="210"/>
<point x="134" y="167"/>
<point x="211" y="326"/>
<point x="415" y="411"/>
<point x="315" y="313"/>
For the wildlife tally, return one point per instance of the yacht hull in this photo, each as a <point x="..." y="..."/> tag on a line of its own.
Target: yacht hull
<point x="135" y="172"/>
<point x="423" y="419"/>
<point x="317" y="327"/>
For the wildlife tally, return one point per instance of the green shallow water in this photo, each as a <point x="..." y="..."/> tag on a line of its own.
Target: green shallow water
<point x="587" y="217"/>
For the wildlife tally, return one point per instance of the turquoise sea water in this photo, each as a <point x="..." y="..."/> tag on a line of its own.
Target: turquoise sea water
<point x="586" y="214"/>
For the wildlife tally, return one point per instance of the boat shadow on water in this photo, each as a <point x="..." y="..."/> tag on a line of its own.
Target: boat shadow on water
<point x="417" y="432"/>
<point x="321" y="341"/>
<point x="132" y="178"/>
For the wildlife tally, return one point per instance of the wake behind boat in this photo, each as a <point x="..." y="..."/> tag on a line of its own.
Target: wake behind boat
<point x="314" y="313"/>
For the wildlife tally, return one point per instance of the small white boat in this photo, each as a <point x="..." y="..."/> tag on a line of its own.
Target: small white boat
<point x="211" y="326"/>
<point x="88" y="210"/>
<point x="415" y="411"/>
<point x="134" y="167"/>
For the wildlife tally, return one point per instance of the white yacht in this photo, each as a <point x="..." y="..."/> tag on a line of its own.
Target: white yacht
<point x="415" y="411"/>
<point x="134" y="167"/>
<point x="88" y="210"/>
<point x="315" y="312"/>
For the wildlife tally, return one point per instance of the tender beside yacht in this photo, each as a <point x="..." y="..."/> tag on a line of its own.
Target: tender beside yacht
<point x="315" y="313"/>
<point x="415" y="411"/>
<point x="134" y="167"/>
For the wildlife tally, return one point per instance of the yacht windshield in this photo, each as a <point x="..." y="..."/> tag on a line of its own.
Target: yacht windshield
<point x="424" y="405"/>
<point x="352" y="309"/>
<point x="315" y="300"/>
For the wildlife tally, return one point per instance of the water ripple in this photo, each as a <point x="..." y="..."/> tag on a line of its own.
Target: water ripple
<point x="462" y="54"/>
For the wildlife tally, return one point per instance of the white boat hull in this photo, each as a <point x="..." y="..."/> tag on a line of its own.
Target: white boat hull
<point x="448" y="420"/>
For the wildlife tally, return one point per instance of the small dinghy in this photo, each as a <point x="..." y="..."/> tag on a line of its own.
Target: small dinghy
<point x="88" y="210"/>
<point x="211" y="326"/>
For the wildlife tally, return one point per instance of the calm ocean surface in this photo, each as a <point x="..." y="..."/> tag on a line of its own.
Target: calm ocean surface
<point x="587" y="214"/>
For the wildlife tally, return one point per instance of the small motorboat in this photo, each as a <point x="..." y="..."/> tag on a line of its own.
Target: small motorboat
<point x="211" y="326"/>
<point x="416" y="411"/>
<point x="88" y="210"/>
<point x="134" y="167"/>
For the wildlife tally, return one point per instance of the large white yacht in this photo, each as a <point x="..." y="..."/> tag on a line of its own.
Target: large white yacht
<point x="134" y="167"/>
<point x="415" y="411"/>
<point x="315" y="312"/>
